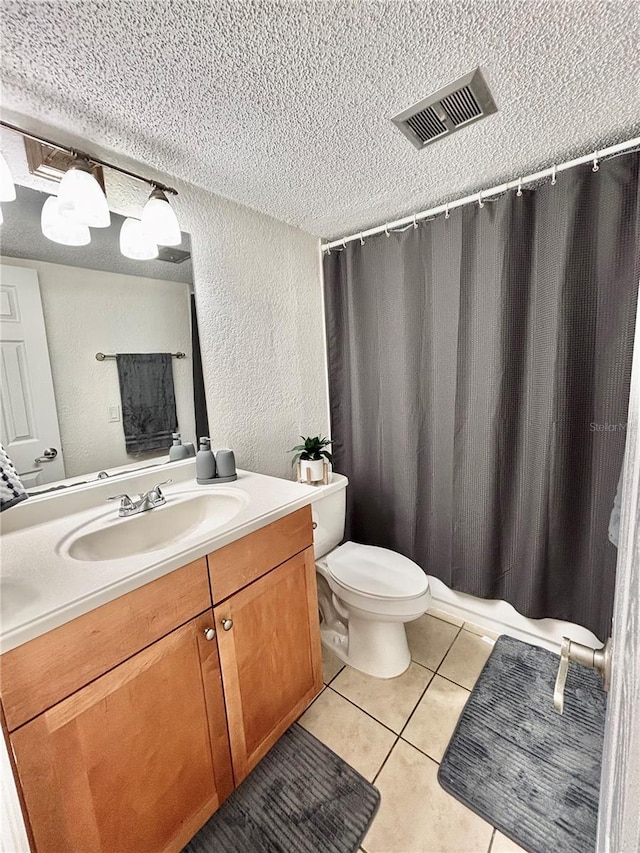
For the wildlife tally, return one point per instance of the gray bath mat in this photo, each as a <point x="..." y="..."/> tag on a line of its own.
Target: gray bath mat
<point x="524" y="768"/>
<point x="301" y="798"/>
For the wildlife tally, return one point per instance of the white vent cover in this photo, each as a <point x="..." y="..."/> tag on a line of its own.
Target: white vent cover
<point x="457" y="105"/>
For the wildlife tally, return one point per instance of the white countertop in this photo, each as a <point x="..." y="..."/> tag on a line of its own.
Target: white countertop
<point x="42" y="587"/>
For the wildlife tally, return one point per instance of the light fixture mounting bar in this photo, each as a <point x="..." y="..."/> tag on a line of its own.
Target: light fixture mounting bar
<point x="88" y="157"/>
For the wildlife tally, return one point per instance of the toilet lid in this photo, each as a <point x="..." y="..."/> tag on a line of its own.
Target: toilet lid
<point x="376" y="571"/>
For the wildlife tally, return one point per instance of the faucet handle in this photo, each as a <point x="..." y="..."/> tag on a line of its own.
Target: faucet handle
<point x="125" y="501"/>
<point x="561" y="678"/>
<point x="156" y="488"/>
<point x="598" y="659"/>
<point x="155" y="494"/>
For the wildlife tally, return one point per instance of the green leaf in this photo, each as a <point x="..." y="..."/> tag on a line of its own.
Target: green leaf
<point x="312" y="448"/>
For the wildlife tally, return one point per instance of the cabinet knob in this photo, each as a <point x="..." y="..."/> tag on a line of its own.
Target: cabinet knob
<point x="227" y="624"/>
<point x="209" y="633"/>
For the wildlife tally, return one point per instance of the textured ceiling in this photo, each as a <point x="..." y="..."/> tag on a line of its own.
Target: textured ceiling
<point x="285" y="106"/>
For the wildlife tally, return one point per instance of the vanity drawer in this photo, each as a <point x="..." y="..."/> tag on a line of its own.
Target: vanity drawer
<point x="37" y="674"/>
<point x="242" y="562"/>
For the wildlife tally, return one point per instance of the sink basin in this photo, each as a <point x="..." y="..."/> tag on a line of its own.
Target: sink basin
<point x="155" y="529"/>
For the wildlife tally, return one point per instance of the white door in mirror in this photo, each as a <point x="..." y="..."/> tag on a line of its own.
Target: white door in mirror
<point x="30" y="424"/>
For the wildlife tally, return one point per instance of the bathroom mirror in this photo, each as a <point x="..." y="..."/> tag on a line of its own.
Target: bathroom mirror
<point x="62" y="408"/>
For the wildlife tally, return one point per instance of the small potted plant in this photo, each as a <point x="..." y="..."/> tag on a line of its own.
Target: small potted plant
<point x="311" y="456"/>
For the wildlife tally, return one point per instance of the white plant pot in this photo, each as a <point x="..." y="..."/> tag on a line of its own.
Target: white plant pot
<point x="315" y="468"/>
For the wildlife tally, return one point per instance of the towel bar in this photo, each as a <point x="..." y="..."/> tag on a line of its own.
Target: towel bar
<point x="100" y="356"/>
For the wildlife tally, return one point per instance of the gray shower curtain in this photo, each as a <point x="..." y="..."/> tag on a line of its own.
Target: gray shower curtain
<point x="479" y="373"/>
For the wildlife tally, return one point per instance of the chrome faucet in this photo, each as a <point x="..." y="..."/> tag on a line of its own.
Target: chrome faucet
<point x="145" y="501"/>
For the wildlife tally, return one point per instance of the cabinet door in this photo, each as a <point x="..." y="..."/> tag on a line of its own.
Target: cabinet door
<point x="135" y="761"/>
<point x="270" y="657"/>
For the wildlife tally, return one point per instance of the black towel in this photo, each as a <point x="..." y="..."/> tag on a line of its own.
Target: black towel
<point x="148" y="400"/>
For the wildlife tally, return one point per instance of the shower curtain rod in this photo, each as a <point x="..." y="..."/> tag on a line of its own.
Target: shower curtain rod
<point x="480" y="197"/>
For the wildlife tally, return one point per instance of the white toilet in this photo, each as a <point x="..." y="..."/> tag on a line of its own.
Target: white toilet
<point x="365" y="594"/>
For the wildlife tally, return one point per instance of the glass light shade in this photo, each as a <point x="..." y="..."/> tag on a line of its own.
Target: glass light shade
<point x="62" y="229"/>
<point x="81" y="198"/>
<point x="159" y="220"/>
<point x="7" y="188"/>
<point x="135" y="242"/>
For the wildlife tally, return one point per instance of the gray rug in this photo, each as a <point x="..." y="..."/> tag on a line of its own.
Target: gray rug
<point x="301" y="798"/>
<point x="524" y="768"/>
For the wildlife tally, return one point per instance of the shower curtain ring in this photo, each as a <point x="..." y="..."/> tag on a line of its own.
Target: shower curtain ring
<point x="519" y="193"/>
<point x="446" y="211"/>
<point x="415" y="224"/>
<point x="386" y="228"/>
<point x="361" y="239"/>
<point x="344" y="245"/>
<point x="480" y="202"/>
<point x="595" y="162"/>
<point x="553" y="176"/>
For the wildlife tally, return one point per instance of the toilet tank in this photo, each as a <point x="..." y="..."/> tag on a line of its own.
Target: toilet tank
<point x="328" y="511"/>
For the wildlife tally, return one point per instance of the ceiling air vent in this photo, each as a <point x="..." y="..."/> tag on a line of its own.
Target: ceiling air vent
<point x="457" y="105"/>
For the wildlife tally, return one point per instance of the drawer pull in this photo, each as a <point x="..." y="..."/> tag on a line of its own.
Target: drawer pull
<point x="209" y="633"/>
<point x="227" y="624"/>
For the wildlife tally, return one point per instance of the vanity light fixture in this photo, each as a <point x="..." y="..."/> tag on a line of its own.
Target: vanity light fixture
<point x="82" y="201"/>
<point x="62" y="229"/>
<point x="159" y="220"/>
<point x="135" y="243"/>
<point x="81" y="198"/>
<point x="7" y="187"/>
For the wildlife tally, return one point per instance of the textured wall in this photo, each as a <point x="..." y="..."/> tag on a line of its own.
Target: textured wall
<point x="259" y="302"/>
<point x="87" y="311"/>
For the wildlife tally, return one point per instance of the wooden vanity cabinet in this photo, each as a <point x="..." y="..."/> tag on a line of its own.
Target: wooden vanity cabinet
<point x="137" y="760"/>
<point x="270" y="657"/>
<point x="131" y="724"/>
<point x="266" y="612"/>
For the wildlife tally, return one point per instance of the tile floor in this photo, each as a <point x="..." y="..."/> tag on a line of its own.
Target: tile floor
<point x="395" y="733"/>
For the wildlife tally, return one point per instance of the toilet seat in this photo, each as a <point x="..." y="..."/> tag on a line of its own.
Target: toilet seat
<point x="376" y="573"/>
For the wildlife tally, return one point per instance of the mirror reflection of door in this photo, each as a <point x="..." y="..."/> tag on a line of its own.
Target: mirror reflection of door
<point x="29" y="425"/>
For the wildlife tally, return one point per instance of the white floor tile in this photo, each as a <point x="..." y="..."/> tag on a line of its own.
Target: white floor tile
<point x="331" y="665"/>
<point x="429" y="640"/>
<point x="465" y="659"/>
<point x="389" y="700"/>
<point x="434" y="720"/>
<point x="446" y="617"/>
<point x="480" y="631"/>
<point x="416" y="815"/>
<point x="353" y="735"/>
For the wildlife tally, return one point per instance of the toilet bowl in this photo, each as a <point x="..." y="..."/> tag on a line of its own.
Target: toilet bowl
<point x="365" y="593"/>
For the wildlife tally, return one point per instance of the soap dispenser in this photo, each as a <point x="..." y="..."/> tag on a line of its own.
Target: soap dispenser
<point x="177" y="450"/>
<point x="205" y="462"/>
